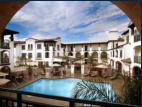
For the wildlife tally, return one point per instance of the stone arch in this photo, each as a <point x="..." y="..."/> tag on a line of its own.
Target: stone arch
<point x="136" y="71"/>
<point x="78" y="54"/>
<point x="137" y="54"/>
<point x="95" y="54"/>
<point x="70" y="54"/>
<point x="119" y="66"/>
<point x="5" y="69"/>
<point x="112" y="62"/>
<point x="86" y="54"/>
<point x="104" y="55"/>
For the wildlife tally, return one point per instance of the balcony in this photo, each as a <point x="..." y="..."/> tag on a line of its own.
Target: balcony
<point x="4" y="61"/>
<point x="137" y="59"/>
<point x="137" y="38"/>
<point x="46" y="49"/>
<point x="5" y="46"/>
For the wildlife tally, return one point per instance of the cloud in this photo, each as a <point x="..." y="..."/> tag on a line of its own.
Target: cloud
<point x="46" y="19"/>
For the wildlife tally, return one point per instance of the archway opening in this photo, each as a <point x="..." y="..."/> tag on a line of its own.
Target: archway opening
<point x="136" y="71"/>
<point x="119" y="66"/>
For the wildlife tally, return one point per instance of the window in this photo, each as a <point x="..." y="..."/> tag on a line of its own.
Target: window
<point x="127" y="39"/>
<point x="30" y="47"/>
<point x="38" y="55"/>
<point x="58" y="54"/>
<point x="38" y="46"/>
<point x="71" y="48"/>
<point x="29" y="55"/>
<point x="136" y="32"/>
<point x="116" y="45"/>
<point x="47" y="55"/>
<point x="86" y="48"/>
<point x="116" y="53"/>
<point x="113" y="53"/>
<point x="120" y="53"/>
<point x="23" y="55"/>
<point x="58" y="47"/>
<point x="23" y="47"/>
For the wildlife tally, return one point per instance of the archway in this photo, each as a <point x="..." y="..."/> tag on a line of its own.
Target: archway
<point x="77" y="54"/>
<point x="4" y="55"/>
<point x="5" y="69"/>
<point x="137" y="54"/>
<point x="95" y="55"/>
<point x="112" y="63"/>
<point x="131" y="8"/>
<point x="136" y="71"/>
<point x="104" y="55"/>
<point x="70" y="54"/>
<point x="119" y="66"/>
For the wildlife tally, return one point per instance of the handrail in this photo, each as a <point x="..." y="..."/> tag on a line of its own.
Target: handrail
<point x="70" y="100"/>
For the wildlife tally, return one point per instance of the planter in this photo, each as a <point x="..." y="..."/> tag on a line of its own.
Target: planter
<point x="64" y="72"/>
<point x="30" y="73"/>
<point x="126" y="79"/>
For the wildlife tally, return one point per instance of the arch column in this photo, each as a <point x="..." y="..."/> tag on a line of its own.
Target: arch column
<point x="11" y="55"/>
<point x="82" y="52"/>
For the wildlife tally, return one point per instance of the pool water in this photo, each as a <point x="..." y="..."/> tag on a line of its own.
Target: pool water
<point x="58" y="87"/>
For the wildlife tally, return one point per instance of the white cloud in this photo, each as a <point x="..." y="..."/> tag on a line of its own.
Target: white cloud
<point x="46" y="18"/>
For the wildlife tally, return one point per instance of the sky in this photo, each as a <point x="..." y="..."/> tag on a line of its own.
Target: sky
<point x="71" y="20"/>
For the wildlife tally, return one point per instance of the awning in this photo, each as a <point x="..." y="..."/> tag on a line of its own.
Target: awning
<point x="127" y="60"/>
<point x="101" y="66"/>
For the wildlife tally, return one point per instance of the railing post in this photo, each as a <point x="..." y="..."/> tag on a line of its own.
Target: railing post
<point x="0" y="102"/>
<point x="19" y="100"/>
<point x="71" y="104"/>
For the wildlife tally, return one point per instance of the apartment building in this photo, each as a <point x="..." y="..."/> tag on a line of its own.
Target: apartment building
<point x="38" y="52"/>
<point x="122" y="52"/>
<point x="7" y="48"/>
<point x="126" y="55"/>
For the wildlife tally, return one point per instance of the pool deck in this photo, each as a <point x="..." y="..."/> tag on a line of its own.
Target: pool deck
<point x="116" y="85"/>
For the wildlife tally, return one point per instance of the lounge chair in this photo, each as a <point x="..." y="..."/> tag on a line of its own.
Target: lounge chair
<point x="114" y="76"/>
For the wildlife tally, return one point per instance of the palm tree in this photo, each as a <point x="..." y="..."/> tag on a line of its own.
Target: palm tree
<point x="94" y="91"/>
<point x="90" y="61"/>
<point x="66" y="59"/>
<point x="79" y="58"/>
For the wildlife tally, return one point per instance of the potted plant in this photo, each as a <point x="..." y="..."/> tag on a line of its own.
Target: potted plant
<point x="30" y="71"/>
<point x="126" y="77"/>
<point x="44" y="70"/>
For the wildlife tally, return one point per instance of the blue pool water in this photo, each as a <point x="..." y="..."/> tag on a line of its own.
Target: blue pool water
<point x="58" y="87"/>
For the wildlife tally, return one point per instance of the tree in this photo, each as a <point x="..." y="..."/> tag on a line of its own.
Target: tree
<point x="66" y="62"/>
<point x="79" y="58"/>
<point x="132" y="92"/>
<point x="90" y="61"/>
<point x="98" y="91"/>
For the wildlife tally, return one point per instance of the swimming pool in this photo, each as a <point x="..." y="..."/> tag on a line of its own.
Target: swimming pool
<point x="59" y="87"/>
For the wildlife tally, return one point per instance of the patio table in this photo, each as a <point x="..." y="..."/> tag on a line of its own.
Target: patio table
<point x="3" y="74"/>
<point x="4" y="81"/>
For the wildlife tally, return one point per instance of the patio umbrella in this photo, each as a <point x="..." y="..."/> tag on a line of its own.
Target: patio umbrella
<point x="56" y="65"/>
<point x="79" y="61"/>
<point x="101" y="66"/>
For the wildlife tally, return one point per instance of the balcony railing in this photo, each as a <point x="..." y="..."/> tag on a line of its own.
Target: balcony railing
<point x="5" y="46"/>
<point x="19" y="100"/>
<point x="137" y="59"/>
<point x="46" y="49"/>
<point x="4" y="61"/>
<point x="137" y="38"/>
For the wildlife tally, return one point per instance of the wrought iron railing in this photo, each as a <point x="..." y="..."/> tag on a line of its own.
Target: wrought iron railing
<point x="137" y="38"/>
<point x="5" y="46"/>
<point x="137" y="59"/>
<point x="4" y="61"/>
<point x="19" y="100"/>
